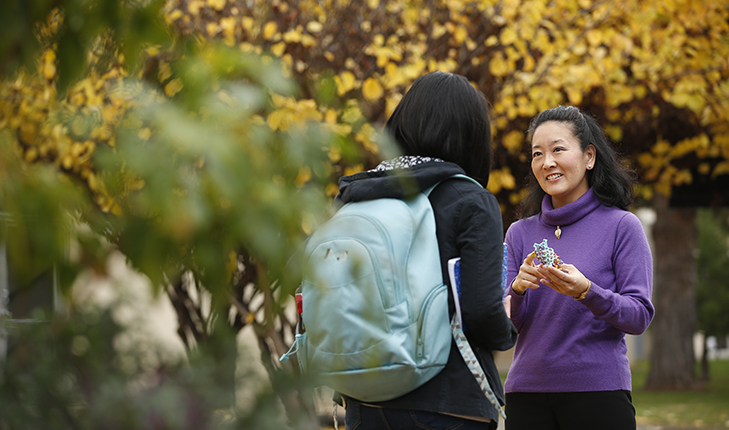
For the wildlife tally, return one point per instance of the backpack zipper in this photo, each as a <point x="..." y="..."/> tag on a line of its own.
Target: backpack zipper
<point x="420" y="343"/>
<point x="391" y="252"/>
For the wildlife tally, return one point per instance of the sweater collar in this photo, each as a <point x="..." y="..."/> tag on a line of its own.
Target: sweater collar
<point x="570" y="213"/>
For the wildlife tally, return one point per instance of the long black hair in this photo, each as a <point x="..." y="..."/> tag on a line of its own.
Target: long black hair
<point x="611" y="181"/>
<point x="444" y="116"/>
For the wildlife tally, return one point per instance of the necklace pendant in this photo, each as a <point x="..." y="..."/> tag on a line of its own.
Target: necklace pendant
<point x="558" y="232"/>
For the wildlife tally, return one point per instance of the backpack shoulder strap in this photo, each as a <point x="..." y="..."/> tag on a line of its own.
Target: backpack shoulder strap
<point x="456" y="176"/>
<point x="473" y="365"/>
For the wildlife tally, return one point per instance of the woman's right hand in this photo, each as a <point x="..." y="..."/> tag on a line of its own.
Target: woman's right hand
<point x="528" y="276"/>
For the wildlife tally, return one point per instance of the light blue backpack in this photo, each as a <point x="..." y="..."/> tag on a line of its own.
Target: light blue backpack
<point x="374" y="322"/>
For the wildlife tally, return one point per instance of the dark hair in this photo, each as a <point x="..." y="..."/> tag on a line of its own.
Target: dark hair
<point x="610" y="180"/>
<point x="444" y="116"/>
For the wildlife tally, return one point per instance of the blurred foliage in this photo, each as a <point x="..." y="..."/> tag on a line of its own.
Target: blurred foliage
<point x="193" y="187"/>
<point x="72" y="25"/>
<point x="712" y="293"/>
<point x="69" y="373"/>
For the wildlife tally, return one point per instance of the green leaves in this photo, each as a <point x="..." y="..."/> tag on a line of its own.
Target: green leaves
<point x="712" y="293"/>
<point x="211" y="178"/>
<point x="38" y="208"/>
<point x="18" y="43"/>
<point x="73" y="27"/>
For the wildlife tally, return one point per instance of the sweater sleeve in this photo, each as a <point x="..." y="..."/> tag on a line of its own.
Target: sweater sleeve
<point x="629" y="308"/>
<point x="479" y="238"/>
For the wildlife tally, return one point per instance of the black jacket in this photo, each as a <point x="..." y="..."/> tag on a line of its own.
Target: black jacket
<point x="468" y="224"/>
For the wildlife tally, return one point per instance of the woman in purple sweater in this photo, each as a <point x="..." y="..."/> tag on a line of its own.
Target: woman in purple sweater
<point x="570" y="368"/>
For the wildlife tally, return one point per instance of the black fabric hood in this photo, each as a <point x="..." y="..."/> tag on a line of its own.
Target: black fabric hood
<point x="396" y="182"/>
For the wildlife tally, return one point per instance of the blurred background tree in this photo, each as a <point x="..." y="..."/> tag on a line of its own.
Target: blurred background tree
<point x="197" y="136"/>
<point x="712" y="293"/>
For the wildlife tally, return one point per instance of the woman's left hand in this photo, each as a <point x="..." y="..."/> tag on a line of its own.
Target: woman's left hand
<point x="566" y="280"/>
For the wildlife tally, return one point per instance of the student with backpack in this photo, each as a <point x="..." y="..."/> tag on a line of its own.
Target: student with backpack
<point x="442" y="128"/>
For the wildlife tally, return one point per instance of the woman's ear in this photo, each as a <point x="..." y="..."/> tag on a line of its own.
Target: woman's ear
<point x="591" y="154"/>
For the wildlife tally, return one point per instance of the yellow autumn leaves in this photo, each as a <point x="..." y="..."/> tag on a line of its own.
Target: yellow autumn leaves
<point x="661" y="171"/>
<point x="66" y="132"/>
<point x="629" y="59"/>
<point x="372" y="90"/>
<point x="290" y="111"/>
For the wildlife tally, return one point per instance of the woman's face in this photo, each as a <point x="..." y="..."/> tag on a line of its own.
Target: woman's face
<point x="559" y="164"/>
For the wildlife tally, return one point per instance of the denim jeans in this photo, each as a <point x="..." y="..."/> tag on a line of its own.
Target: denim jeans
<point x="363" y="417"/>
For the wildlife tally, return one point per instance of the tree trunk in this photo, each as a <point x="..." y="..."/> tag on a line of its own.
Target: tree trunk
<point x="672" y="361"/>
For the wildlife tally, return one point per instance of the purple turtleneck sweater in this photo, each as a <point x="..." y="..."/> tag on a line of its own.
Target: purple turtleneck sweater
<point x="565" y="345"/>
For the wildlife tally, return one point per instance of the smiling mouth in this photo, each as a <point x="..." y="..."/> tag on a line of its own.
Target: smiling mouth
<point x="554" y="176"/>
